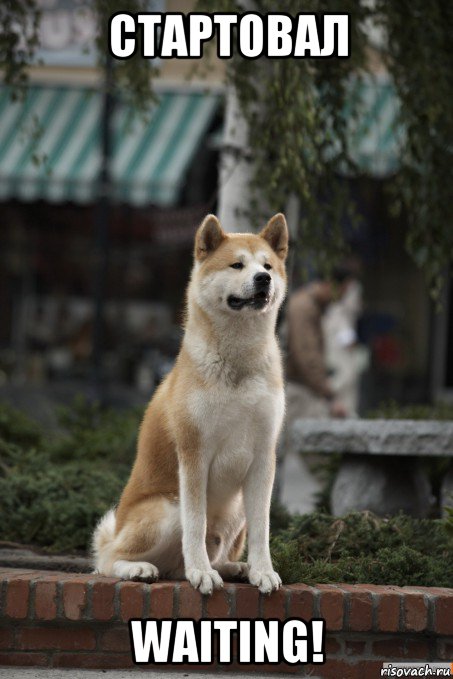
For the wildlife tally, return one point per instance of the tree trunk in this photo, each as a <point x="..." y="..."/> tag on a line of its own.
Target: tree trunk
<point x="236" y="169"/>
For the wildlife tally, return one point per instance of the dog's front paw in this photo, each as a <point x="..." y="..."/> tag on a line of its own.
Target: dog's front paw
<point x="135" y="570"/>
<point x="204" y="580"/>
<point x="267" y="580"/>
<point x="234" y="570"/>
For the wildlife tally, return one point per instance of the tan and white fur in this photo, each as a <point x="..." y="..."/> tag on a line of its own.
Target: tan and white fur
<point x="205" y="462"/>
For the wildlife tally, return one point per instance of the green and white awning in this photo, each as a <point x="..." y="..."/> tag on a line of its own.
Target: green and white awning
<point x="50" y="142"/>
<point x="50" y="145"/>
<point x="374" y="134"/>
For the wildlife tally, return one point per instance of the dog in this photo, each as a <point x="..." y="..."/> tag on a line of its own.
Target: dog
<point x="205" y="463"/>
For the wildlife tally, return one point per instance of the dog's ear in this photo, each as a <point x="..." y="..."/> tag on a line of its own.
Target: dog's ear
<point x="276" y="234"/>
<point x="208" y="238"/>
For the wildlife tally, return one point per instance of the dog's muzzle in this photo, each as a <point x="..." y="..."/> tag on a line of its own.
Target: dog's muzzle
<point x="260" y="298"/>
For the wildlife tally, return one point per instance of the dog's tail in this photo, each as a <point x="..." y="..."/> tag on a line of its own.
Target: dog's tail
<point x="102" y="542"/>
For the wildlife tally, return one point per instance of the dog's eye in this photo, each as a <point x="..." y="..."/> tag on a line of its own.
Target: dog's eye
<point x="268" y="267"/>
<point x="237" y="265"/>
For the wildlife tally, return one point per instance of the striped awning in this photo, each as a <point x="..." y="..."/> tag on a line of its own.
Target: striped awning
<point x="50" y="145"/>
<point x="375" y="136"/>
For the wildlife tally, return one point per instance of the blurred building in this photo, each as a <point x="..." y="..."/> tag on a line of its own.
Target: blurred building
<point x="164" y="178"/>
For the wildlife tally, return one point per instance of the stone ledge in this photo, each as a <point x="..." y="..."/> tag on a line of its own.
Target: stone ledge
<point x="57" y="619"/>
<point x="374" y="437"/>
<point x="31" y="559"/>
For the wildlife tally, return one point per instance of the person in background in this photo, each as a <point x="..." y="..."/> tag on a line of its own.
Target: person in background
<point x="310" y="393"/>
<point x="346" y="358"/>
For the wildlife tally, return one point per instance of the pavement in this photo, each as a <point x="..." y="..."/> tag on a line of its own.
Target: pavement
<point x="72" y="673"/>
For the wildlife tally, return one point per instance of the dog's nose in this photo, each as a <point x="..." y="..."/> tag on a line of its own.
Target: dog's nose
<point x="262" y="279"/>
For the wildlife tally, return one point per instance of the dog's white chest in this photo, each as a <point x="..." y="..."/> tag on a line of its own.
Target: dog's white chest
<point x="227" y="413"/>
<point x="235" y="424"/>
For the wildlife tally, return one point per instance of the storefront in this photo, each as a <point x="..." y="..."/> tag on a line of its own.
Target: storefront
<point x="163" y="179"/>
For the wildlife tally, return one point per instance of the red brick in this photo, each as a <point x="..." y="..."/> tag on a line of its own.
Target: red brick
<point x="434" y="591"/>
<point x="247" y="602"/>
<point x="390" y="648"/>
<point x="417" y="649"/>
<point x="6" y="637"/>
<point x="353" y="647"/>
<point x="96" y="661"/>
<point x="17" y="597"/>
<point x="372" y="589"/>
<point x="301" y="603"/>
<point x="218" y="604"/>
<point x="334" y="669"/>
<point x="131" y="600"/>
<point x="161" y="605"/>
<point x="24" y="659"/>
<point x="333" y="646"/>
<point x="85" y="578"/>
<point x="331" y="607"/>
<point x="273" y="605"/>
<point x="444" y="615"/>
<point x="53" y="576"/>
<point x="369" y="669"/>
<point x="103" y="606"/>
<point x="189" y="602"/>
<point x="7" y="572"/>
<point x="388" y="612"/>
<point x="360" y="611"/>
<point x="444" y="650"/>
<point x="46" y="600"/>
<point x="415" y="612"/>
<point x="66" y="639"/>
<point x="74" y="599"/>
<point x="116" y="639"/>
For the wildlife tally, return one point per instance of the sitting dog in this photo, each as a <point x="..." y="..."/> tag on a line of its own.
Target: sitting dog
<point x="205" y="462"/>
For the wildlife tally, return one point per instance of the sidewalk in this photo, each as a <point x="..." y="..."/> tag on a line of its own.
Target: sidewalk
<point x="33" y="673"/>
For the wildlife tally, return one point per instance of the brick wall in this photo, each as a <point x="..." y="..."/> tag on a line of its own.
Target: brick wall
<point x="51" y="619"/>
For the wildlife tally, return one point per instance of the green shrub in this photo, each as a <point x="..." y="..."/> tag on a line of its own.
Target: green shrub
<point x="280" y="517"/>
<point x="54" y="506"/>
<point x="90" y="432"/>
<point x="361" y="547"/>
<point x="53" y="490"/>
<point x="15" y="427"/>
<point x="391" y="410"/>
